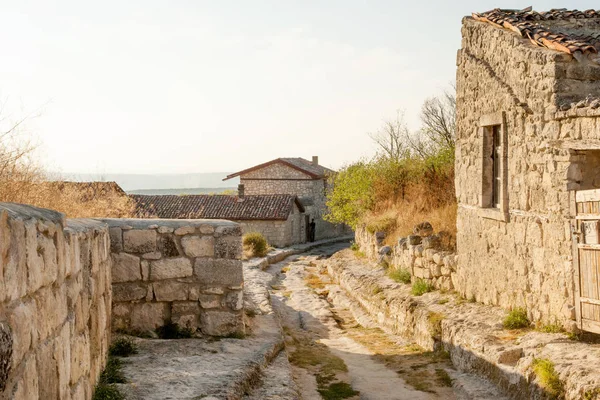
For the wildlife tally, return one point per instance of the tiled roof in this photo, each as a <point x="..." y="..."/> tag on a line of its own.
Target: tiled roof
<point x="557" y="29"/>
<point x="301" y="164"/>
<point x="253" y="207"/>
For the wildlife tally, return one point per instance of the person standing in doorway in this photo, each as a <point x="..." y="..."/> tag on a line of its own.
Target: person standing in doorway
<point x="311" y="230"/>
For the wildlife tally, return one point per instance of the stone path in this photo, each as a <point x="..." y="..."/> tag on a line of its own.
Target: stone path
<point x="332" y="355"/>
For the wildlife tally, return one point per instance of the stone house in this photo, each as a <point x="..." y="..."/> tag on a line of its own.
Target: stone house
<point x="280" y="217"/>
<point x="308" y="180"/>
<point x="528" y="163"/>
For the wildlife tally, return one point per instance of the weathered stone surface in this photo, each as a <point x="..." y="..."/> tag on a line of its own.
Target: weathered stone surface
<point x="196" y="246"/>
<point x="6" y="346"/>
<point x="149" y="316"/>
<point x="208" y="300"/>
<point x="385" y="250"/>
<point x="185" y="230"/>
<point x="155" y="255"/>
<point x="414" y="240"/>
<point x="165" y="229"/>
<point x="168" y="247"/>
<point x="219" y="272"/>
<point x="47" y="370"/>
<point x="139" y="240"/>
<point x="220" y="323"/>
<point x="129" y="291"/>
<point x="229" y="247"/>
<point x="207" y="229"/>
<point x="116" y="240"/>
<point x="423" y="229"/>
<point x="125" y="267"/>
<point x="235" y="300"/>
<point x="170" y="268"/>
<point x="27" y="387"/>
<point x="186" y="314"/>
<point x="170" y="290"/>
<point x="510" y="356"/>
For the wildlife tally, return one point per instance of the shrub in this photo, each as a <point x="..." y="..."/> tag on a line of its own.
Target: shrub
<point x="548" y="377"/>
<point x="255" y="244"/>
<point x="400" y="275"/>
<point x="107" y="392"/>
<point x="122" y="347"/>
<point x="420" y="287"/>
<point x="516" y="319"/>
<point x="112" y="372"/>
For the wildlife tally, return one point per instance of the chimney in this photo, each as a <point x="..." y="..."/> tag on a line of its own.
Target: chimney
<point x="241" y="190"/>
<point x="315" y="161"/>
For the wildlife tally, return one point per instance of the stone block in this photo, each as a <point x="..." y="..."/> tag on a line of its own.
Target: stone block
<point x="414" y="240"/>
<point x="221" y="323"/>
<point x="435" y="270"/>
<point x="116" y="239"/>
<point x="208" y="300"/>
<point x="155" y="255"/>
<point x="139" y="241"/>
<point x="129" y="291"/>
<point x="510" y="356"/>
<point x="168" y="247"/>
<point x="235" y="300"/>
<point x="145" y="270"/>
<point x="186" y="314"/>
<point x="218" y="272"/>
<point x="149" y="316"/>
<point x="52" y="310"/>
<point x="165" y="229"/>
<point x="125" y="268"/>
<point x="229" y="247"/>
<point x="62" y="355"/>
<point x="27" y="387"/>
<point x="80" y="357"/>
<point x="169" y="268"/>
<point x="185" y="230"/>
<point x="170" y="290"/>
<point x="206" y="229"/>
<point x="47" y="370"/>
<point x="196" y="246"/>
<point x="234" y="230"/>
<point x="24" y="334"/>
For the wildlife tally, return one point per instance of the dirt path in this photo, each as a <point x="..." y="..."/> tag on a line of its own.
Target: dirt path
<point x="333" y="357"/>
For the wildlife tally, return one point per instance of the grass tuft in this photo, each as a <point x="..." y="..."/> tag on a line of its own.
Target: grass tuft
<point x="442" y="377"/>
<point x="255" y="245"/>
<point x="548" y="377"/>
<point x="400" y="275"/>
<point x="122" y="347"/>
<point x="337" y="391"/>
<point x="107" y="392"/>
<point x="551" y="328"/>
<point x="516" y="319"/>
<point x="112" y="372"/>
<point x="420" y="287"/>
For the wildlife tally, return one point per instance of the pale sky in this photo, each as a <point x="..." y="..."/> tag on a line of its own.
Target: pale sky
<point x="208" y="86"/>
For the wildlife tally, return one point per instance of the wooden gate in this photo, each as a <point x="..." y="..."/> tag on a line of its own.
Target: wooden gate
<point x="586" y="259"/>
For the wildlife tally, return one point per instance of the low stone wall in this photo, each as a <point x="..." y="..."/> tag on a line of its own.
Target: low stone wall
<point x="188" y="272"/>
<point x="418" y="255"/>
<point x="55" y="303"/>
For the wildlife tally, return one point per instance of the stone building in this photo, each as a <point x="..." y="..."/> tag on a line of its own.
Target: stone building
<point x="528" y="163"/>
<point x="280" y="217"/>
<point x="298" y="177"/>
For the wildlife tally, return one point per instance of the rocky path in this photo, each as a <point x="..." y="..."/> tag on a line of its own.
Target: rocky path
<point x="333" y="357"/>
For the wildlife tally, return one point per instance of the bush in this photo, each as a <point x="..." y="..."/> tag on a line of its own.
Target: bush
<point x="112" y="372"/>
<point x="420" y="287"/>
<point x="255" y="244"/>
<point x="107" y="392"/>
<point x="516" y="319"/>
<point x="548" y="377"/>
<point x="400" y="275"/>
<point x="122" y="347"/>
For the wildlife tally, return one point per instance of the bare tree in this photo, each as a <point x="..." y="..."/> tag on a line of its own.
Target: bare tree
<point x="438" y="116"/>
<point x="393" y="138"/>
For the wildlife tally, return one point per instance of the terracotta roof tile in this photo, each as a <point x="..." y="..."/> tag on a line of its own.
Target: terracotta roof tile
<point x="540" y="29"/>
<point x="251" y="207"/>
<point x="299" y="163"/>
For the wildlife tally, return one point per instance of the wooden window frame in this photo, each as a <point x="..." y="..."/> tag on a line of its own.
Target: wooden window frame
<point x="493" y="199"/>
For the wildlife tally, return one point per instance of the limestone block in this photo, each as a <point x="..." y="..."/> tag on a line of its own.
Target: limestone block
<point x="139" y="240"/>
<point x="116" y="239"/>
<point x="24" y="334"/>
<point x="221" y="323"/>
<point x="510" y="356"/>
<point x="219" y="272"/>
<point x="418" y="251"/>
<point x="165" y="229"/>
<point x="170" y="290"/>
<point x="128" y="291"/>
<point x="206" y="229"/>
<point x="186" y="314"/>
<point x="35" y="262"/>
<point x="213" y="290"/>
<point x="155" y="255"/>
<point x="47" y="370"/>
<point x="235" y="300"/>
<point x="6" y="348"/>
<point x="229" y="247"/>
<point x="80" y="357"/>
<point x="168" y="247"/>
<point x="436" y="270"/>
<point x="185" y="230"/>
<point x="149" y="316"/>
<point x="208" y="300"/>
<point x="414" y="240"/>
<point x="62" y="355"/>
<point x="196" y="246"/>
<point x="52" y="310"/>
<point x="121" y="315"/>
<point x="125" y="267"/>
<point x="438" y="258"/>
<point x="170" y="268"/>
<point x="446" y="271"/>
<point x="27" y="387"/>
<point x="145" y="270"/>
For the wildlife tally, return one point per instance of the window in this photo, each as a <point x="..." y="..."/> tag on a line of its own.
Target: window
<point x="493" y="167"/>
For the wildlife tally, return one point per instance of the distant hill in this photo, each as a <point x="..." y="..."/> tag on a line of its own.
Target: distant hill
<point x="227" y="190"/>
<point x="135" y="182"/>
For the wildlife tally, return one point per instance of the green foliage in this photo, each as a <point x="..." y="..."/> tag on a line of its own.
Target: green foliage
<point x="107" y="392"/>
<point x="400" y="275"/>
<point x="516" y="319"/>
<point x="443" y="378"/>
<point x="548" y="377"/>
<point x="420" y="287"/>
<point x="337" y="391"/>
<point x="122" y="347"/>
<point x="112" y="372"/>
<point x="354" y="246"/>
<point x="173" y="331"/>
<point x="255" y="244"/>
<point x="551" y="328"/>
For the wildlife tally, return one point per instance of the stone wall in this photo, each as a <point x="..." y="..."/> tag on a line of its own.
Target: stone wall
<point x="188" y="272"/>
<point x="55" y="304"/>
<point x="279" y="233"/>
<point x="521" y="255"/>
<point x="420" y="256"/>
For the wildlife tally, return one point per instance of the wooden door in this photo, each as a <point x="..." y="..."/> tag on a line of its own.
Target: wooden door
<point x="586" y="259"/>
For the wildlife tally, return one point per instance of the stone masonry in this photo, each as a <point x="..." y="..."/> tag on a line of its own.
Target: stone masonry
<point x="188" y="272"/>
<point x="519" y="253"/>
<point x="55" y="303"/>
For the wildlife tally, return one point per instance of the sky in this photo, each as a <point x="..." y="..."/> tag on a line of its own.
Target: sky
<point x="147" y="86"/>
